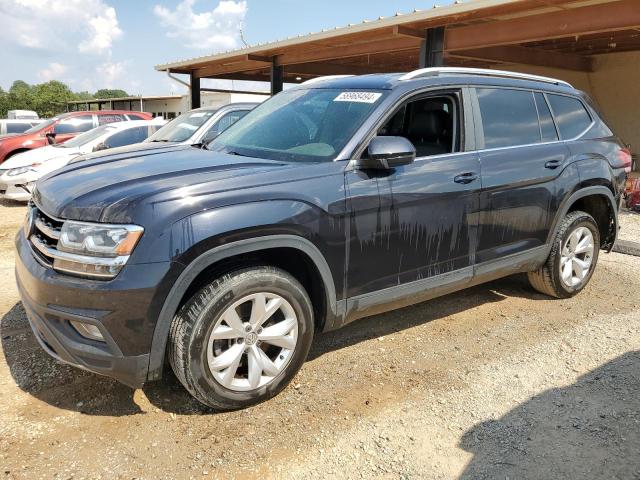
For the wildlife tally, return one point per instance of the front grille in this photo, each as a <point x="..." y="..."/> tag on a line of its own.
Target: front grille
<point x="45" y="235"/>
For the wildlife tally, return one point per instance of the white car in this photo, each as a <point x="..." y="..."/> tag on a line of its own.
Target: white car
<point x="19" y="173"/>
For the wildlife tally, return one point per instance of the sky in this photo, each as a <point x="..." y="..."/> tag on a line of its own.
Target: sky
<point x="93" y="44"/>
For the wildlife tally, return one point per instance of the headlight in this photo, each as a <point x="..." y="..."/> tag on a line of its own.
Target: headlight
<point x="21" y="170"/>
<point x="17" y="171"/>
<point x="95" y="250"/>
<point x="98" y="240"/>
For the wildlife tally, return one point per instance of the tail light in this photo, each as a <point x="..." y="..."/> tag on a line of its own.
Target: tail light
<point x="624" y="157"/>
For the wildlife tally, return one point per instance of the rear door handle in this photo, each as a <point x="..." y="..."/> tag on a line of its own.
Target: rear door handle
<point x="553" y="164"/>
<point x="465" y="178"/>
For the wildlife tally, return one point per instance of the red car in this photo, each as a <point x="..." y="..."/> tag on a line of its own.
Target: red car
<point x="62" y="128"/>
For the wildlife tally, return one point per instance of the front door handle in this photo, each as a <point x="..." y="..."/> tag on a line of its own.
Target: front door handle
<point x="465" y="178"/>
<point x="552" y="164"/>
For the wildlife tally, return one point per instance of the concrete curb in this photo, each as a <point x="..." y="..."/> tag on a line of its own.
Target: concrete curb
<point x="627" y="247"/>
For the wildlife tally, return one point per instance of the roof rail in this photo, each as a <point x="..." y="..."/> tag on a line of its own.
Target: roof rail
<point x="435" y="71"/>
<point x="326" y="77"/>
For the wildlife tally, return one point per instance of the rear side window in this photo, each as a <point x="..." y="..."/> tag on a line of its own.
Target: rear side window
<point x="127" y="137"/>
<point x="17" y="127"/>
<point x="509" y="117"/>
<point x="571" y="116"/>
<point x="547" y="127"/>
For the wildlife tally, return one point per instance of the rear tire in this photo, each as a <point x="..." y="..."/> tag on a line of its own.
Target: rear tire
<point x="571" y="262"/>
<point x="241" y="339"/>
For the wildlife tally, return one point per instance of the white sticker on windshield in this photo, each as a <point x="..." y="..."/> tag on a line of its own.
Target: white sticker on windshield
<point x="361" y="97"/>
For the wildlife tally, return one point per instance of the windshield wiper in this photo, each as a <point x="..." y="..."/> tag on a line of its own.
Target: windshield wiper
<point x="160" y="140"/>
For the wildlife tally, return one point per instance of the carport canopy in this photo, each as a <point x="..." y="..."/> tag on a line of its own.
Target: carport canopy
<point x="581" y="41"/>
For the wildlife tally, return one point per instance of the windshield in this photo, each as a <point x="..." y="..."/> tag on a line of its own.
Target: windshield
<point x="85" y="137"/>
<point x="40" y="126"/>
<point x="183" y="127"/>
<point x="300" y="125"/>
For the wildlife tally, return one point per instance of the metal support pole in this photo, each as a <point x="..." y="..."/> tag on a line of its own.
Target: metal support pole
<point x="195" y="91"/>
<point x="277" y="78"/>
<point x="432" y="48"/>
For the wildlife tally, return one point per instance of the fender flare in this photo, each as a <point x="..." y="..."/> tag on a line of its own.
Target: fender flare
<point x="191" y="271"/>
<point x="571" y="199"/>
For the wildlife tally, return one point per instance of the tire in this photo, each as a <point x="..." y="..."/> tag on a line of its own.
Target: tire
<point x="196" y="342"/>
<point x="548" y="279"/>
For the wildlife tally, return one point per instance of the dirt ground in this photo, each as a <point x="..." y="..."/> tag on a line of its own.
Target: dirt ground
<point x="493" y="382"/>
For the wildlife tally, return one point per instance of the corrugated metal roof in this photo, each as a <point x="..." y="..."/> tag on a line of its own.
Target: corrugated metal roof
<point x="456" y="8"/>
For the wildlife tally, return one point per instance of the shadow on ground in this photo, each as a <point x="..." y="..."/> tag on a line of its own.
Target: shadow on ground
<point x="590" y="429"/>
<point x="73" y="389"/>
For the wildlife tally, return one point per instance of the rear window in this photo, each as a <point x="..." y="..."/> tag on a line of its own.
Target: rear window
<point x="509" y="117"/>
<point x="571" y="115"/>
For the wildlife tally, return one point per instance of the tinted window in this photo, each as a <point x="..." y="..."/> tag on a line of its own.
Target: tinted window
<point x="547" y="127"/>
<point x="17" y="127"/>
<point x="509" y="117"/>
<point x="225" y="122"/>
<point x="136" y="116"/>
<point x="110" y="118"/>
<point x="81" y="123"/>
<point x="128" y="137"/>
<point x="571" y="116"/>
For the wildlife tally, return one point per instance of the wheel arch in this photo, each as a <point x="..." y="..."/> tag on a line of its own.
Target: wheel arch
<point x="599" y="202"/>
<point x="246" y="252"/>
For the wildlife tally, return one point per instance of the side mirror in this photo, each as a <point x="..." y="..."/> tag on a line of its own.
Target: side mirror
<point x="100" y="146"/>
<point x="385" y="153"/>
<point x="51" y="137"/>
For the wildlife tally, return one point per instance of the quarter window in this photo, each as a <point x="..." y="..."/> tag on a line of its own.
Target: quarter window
<point x="109" y="118"/>
<point x="509" y="117"/>
<point x="547" y="127"/>
<point x="571" y="116"/>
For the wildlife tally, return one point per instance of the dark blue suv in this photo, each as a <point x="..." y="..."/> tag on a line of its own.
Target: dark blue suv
<point x="340" y="198"/>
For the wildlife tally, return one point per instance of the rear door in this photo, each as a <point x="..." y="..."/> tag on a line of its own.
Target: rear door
<point x="521" y="157"/>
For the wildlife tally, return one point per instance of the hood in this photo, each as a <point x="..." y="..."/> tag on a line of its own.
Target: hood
<point x="95" y="188"/>
<point x="38" y="155"/>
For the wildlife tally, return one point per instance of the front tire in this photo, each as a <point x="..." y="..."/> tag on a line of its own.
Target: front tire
<point x="241" y="339"/>
<point x="573" y="257"/>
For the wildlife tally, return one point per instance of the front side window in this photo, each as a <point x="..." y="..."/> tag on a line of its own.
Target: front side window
<point x="509" y="117"/>
<point x="77" y="124"/>
<point x="110" y="118"/>
<point x="431" y="124"/>
<point x="300" y="125"/>
<point x="571" y="116"/>
<point x="84" y="138"/>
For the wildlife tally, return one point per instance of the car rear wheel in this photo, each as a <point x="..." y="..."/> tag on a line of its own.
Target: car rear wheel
<point x="572" y="260"/>
<point x="242" y="338"/>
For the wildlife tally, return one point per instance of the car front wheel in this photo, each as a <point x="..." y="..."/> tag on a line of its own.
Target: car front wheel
<point x="242" y="338"/>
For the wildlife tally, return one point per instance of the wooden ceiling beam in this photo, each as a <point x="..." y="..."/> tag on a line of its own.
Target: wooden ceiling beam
<point x="528" y="56"/>
<point x="402" y="31"/>
<point x="612" y="16"/>
<point x="335" y="69"/>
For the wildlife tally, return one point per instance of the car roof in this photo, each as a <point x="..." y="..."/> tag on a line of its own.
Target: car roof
<point x="438" y="77"/>
<point x="228" y="106"/>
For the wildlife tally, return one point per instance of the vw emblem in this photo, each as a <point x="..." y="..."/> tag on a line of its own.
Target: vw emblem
<point x="251" y="338"/>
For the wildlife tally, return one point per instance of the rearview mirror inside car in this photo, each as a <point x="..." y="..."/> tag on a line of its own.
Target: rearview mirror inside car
<point x="385" y="153"/>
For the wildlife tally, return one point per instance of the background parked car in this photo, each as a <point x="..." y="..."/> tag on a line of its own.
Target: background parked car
<point x="11" y="127"/>
<point x="62" y="128"/>
<point x="19" y="174"/>
<point x="22" y="114"/>
<point x="201" y="125"/>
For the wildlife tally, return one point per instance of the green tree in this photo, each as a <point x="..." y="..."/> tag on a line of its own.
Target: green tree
<point x="51" y="98"/>
<point x="20" y="96"/>
<point x="110" y="93"/>
<point x="4" y="103"/>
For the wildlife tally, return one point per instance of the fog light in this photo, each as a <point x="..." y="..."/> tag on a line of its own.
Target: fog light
<point x="87" y="330"/>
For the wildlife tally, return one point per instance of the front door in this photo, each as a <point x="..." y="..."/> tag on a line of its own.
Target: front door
<point x="416" y="222"/>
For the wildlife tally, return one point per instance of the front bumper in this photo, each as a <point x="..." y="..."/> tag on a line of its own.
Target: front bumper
<point x="122" y="309"/>
<point x="16" y="189"/>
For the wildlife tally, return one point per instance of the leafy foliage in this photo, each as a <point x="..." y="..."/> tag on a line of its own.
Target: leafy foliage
<point x="47" y="99"/>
